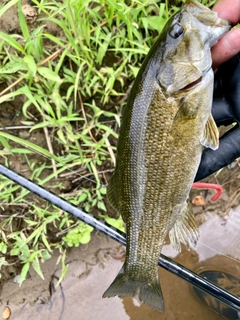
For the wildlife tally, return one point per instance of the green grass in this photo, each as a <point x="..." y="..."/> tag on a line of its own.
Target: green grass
<point x="73" y="87"/>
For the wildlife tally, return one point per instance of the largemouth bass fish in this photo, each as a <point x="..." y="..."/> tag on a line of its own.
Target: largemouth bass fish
<point x="165" y="126"/>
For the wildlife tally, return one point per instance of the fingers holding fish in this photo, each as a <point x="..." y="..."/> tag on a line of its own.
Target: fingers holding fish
<point x="229" y="45"/>
<point x="227" y="11"/>
<point x="226" y="48"/>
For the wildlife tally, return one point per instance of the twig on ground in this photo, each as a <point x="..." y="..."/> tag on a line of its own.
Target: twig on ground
<point x="91" y="174"/>
<point x="14" y="204"/>
<point x="73" y="172"/>
<point x="16" y="128"/>
<point x="11" y="216"/>
<point x="66" y="230"/>
<point x="50" y="148"/>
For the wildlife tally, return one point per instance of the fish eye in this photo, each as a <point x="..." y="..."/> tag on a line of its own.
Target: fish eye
<point x="176" y="31"/>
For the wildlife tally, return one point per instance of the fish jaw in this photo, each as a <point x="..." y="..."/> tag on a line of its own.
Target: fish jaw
<point x="219" y="29"/>
<point x="187" y="57"/>
<point x="208" y="21"/>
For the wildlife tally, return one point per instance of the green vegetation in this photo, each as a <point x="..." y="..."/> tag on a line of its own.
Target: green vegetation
<point x="72" y="84"/>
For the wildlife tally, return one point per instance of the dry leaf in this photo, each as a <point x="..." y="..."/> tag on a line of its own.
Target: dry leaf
<point x="198" y="201"/>
<point x="6" y="313"/>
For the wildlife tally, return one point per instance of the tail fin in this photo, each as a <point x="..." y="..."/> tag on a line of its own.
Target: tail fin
<point x="148" y="293"/>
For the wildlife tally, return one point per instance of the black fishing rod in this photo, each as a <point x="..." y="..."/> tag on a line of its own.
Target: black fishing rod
<point x="165" y="262"/>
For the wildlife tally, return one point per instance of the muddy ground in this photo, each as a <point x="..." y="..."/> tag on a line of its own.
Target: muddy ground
<point x="93" y="267"/>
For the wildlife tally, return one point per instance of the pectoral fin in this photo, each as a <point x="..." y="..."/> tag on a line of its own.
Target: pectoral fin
<point x="185" y="230"/>
<point x="211" y="135"/>
<point x="187" y="110"/>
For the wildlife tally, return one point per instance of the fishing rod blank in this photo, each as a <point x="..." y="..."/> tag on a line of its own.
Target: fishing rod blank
<point x="120" y="237"/>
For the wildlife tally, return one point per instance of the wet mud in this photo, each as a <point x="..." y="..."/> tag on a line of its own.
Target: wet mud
<point x="92" y="268"/>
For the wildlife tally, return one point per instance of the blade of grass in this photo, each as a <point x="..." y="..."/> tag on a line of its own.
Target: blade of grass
<point x="30" y="145"/>
<point x="22" y="22"/>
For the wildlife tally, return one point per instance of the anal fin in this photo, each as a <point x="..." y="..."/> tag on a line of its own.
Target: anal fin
<point x="184" y="230"/>
<point x="211" y="134"/>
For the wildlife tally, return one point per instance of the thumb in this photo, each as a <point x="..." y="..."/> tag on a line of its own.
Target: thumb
<point x="226" y="48"/>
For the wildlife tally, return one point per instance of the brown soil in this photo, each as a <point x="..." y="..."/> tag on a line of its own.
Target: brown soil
<point x="9" y="22"/>
<point x="93" y="267"/>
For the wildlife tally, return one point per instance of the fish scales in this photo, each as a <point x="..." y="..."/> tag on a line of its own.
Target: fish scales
<point x="165" y="126"/>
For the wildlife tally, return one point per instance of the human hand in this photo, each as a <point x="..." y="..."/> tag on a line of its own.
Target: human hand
<point x="225" y="110"/>
<point x="226" y="100"/>
<point x="229" y="45"/>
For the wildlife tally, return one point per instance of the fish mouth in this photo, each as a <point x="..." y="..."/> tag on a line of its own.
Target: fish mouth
<point x="191" y="85"/>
